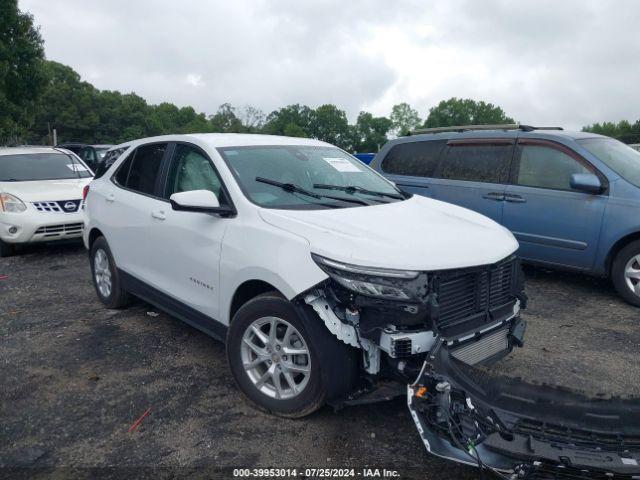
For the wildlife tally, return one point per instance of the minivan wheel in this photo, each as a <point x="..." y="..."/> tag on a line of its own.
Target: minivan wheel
<point x="105" y="276"/>
<point x="625" y="273"/>
<point x="276" y="359"/>
<point x="6" y="249"/>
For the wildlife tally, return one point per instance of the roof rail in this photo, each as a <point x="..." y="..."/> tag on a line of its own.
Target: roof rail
<point x="466" y="128"/>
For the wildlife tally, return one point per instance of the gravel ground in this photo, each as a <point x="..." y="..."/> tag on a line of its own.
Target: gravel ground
<point x="76" y="376"/>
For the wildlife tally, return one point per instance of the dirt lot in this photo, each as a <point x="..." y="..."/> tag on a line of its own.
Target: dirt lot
<point x="76" y="376"/>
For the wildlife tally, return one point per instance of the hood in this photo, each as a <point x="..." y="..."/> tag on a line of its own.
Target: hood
<point x="415" y="234"/>
<point x="68" y="189"/>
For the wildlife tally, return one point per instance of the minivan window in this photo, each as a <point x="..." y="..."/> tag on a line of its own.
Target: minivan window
<point x="191" y="170"/>
<point x="547" y="167"/>
<point x="321" y="171"/>
<point x="141" y="169"/>
<point x="620" y="158"/>
<point x="41" y="166"/>
<point x="417" y="159"/>
<point x="477" y="162"/>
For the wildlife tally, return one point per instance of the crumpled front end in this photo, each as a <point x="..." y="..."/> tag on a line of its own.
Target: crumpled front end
<point x="519" y="430"/>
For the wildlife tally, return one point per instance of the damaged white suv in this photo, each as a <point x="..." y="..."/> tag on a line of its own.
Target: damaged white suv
<point x="322" y="277"/>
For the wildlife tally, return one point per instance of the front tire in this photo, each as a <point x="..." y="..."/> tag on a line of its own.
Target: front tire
<point x="625" y="273"/>
<point x="104" y="274"/>
<point x="282" y="359"/>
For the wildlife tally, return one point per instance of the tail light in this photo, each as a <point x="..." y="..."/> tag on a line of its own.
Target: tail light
<point x="85" y="192"/>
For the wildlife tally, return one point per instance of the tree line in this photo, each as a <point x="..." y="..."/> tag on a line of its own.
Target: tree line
<point x="38" y="95"/>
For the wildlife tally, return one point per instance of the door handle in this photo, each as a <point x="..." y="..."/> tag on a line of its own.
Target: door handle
<point x="497" y="196"/>
<point x="509" y="197"/>
<point x="110" y="198"/>
<point x="159" y="214"/>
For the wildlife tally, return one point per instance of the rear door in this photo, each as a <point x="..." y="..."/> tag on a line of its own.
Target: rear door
<point x="472" y="174"/>
<point x="134" y="208"/>
<point x="411" y="165"/>
<point x="553" y="223"/>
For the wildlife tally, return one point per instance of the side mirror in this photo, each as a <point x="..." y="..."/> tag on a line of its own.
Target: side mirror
<point x="202" y="201"/>
<point x="586" y="182"/>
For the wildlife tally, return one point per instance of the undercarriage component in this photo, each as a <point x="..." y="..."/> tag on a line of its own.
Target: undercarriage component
<point x="519" y="430"/>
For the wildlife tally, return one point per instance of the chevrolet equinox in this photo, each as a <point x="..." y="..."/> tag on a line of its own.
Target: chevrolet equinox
<point x="322" y="277"/>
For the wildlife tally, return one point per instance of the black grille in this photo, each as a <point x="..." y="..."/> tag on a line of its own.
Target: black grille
<point x="578" y="437"/>
<point x="401" y="347"/>
<point x="473" y="292"/>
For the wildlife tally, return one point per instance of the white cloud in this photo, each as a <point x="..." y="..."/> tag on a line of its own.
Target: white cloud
<point x="547" y="62"/>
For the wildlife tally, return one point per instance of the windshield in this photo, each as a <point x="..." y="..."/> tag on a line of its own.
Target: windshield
<point x="620" y="158"/>
<point x="306" y="177"/>
<point x="40" y="166"/>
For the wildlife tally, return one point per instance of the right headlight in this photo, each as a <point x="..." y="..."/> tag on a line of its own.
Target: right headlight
<point x="371" y="281"/>
<point x="11" y="204"/>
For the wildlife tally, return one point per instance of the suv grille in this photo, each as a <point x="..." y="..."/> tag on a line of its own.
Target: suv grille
<point x="58" y="206"/>
<point x="468" y="292"/>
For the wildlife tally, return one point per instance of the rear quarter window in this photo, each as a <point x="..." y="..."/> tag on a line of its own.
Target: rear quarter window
<point x="417" y="159"/>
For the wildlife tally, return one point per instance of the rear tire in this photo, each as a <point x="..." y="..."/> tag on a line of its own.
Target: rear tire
<point x="278" y="381"/>
<point x="6" y="249"/>
<point x="104" y="274"/>
<point x="625" y="273"/>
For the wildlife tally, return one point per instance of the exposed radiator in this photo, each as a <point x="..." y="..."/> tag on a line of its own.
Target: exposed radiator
<point x="478" y="351"/>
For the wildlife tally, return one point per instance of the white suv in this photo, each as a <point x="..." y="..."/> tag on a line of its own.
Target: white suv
<point x="319" y="274"/>
<point x="40" y="195"/>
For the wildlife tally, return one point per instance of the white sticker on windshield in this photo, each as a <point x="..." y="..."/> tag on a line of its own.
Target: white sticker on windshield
<point x="76" y="167"/>
<point x="628" y="461"/>
<point x="341" y="164"/>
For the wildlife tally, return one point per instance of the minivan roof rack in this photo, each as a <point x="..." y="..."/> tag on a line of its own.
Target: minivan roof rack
<point x="465" y="128"/>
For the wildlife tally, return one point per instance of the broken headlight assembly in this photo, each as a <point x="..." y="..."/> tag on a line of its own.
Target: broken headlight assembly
<point x="369" y="281"/>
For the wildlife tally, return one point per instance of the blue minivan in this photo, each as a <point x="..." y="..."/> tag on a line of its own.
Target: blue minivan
<point x="572" y="199"/>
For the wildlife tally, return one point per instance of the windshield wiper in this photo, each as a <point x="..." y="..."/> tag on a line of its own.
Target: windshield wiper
<point x="351" y="189"/>
<point x="293" y="188"/>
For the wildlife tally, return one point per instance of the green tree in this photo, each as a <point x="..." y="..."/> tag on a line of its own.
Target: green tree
<point x="67" y="104"/>
<point x="21" y="75"/>
<point x="292" y="120"/>
<point x="624" y="130"/>
<point x="369" y="133"/>
<point x="330" y="124"/>
<point x="225" y="120"/>
<point x="458" y="111"/>
<point x="404" y="119"/>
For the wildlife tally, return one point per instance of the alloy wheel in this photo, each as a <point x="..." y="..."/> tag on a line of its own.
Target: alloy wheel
<point x="276" y="358"/>
<point x="102" y="272"/>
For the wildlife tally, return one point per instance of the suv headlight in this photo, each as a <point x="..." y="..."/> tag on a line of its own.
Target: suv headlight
<point x="370" y="281"/>
<point x="11" y="203"/>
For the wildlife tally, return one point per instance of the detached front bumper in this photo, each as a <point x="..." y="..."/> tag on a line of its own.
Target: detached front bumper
<point x="522" y="430"/>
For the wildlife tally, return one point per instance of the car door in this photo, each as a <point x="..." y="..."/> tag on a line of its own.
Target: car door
<point x="133" y="209"/>
<point x="472" y="173"/>
<point x="411" y="165"/>
<point x="185" y="246"/>
<point x="552" y="222"/>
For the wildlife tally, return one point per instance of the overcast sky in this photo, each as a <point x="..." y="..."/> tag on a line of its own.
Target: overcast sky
<point x="545" y="62"/>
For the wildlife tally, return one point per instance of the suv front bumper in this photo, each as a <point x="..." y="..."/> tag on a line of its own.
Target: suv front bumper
<point x="503" y="424"/>
<point x="32" y="226"/>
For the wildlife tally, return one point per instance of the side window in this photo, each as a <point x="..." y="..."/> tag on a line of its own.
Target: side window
<point x="477" y="163"/>
<point x="122" y="174"/>
<point x="418" y="159"/>
<point x="143" y="168"/>
<point x="110" y="157"/>
<point x="547" y="167"/>
<point x="191" y="170"/>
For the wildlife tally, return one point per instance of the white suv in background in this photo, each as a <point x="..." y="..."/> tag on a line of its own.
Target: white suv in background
<point x="320" y="275"/>
<point x="40" y="195"/>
